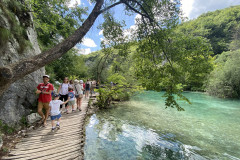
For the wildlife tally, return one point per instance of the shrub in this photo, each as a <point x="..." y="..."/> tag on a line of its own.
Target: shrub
<point x="118" y="90"/>
<point x="4" y="128"/>
<point x="224" y="80"/>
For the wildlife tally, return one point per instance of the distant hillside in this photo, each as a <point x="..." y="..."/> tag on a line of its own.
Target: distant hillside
<point x="218" y="26"/>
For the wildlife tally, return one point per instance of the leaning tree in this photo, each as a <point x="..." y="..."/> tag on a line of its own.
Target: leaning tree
<point x="156" y="14"/>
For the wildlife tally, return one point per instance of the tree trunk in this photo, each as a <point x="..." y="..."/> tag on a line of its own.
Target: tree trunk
<point x="13" y="72"/>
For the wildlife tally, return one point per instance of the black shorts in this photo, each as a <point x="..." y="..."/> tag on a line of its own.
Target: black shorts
<point x="63" y="98"/>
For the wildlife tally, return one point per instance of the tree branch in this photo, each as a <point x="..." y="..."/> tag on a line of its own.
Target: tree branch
<point x="111" y="6"/>
<point x="13" y="72"/>
<point x="135" y="10"/>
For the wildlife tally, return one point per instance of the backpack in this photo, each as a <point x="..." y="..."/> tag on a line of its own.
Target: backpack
<point x="52" y="93"/>
<point x="87" y="85"/>
<point x="71" y="95"/>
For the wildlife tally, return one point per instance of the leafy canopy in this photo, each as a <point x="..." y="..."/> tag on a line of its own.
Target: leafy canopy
<point x="54" y="20"/>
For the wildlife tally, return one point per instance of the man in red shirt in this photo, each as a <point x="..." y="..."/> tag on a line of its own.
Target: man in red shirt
<point x="44" y="90"/>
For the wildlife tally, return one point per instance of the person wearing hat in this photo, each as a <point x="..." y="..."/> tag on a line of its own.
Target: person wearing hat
<point x="55" y="111"/>
<point x="44" y="90"/>
<point x="78" y="88"/>
<point x="71" y="97"/>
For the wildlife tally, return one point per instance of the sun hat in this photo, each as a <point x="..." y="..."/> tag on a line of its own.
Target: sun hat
<point x="76" y="81"/>
<point x="81" y="81"/>
<point x="46" y="76"/>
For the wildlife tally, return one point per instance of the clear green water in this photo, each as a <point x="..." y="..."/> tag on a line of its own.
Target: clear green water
<point x="143" y="129"/>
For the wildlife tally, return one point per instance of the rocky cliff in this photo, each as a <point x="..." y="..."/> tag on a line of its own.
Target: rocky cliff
<point x="20" y="98"/>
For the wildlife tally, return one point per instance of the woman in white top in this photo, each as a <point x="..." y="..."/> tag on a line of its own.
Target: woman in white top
<point x="63" y="90"/>
<point x="78" y="88"/>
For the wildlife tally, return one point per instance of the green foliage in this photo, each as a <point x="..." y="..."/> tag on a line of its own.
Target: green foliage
<point x="224" y="79"/>
<point x="235" y="43"/>
<point x="115" y="89"/>
<point x="171" y="62"/>
<point x="217" y="26"/>
<point x="112" y="31"/>
<point x="23" y="121"/>
<point x="5" y="35"/>
<point x="147" y="64"/>
<point x="4" y="128"/>
<point x="6" y="150"/>
<point x="69" y="65"/>
<point x="11" y="10"/>
<point x="54" y="20"/>
<point x="97" y="64"/>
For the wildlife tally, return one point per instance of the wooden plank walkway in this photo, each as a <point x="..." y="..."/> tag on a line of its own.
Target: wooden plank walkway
<point x="65" y="143"/>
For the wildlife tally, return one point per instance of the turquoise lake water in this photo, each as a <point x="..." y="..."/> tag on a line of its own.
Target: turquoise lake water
<point x="142" y="128"/>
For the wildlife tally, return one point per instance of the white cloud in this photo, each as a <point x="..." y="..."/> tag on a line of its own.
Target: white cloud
<point x="73" y="3"/>
<point x="129" y="33"/>
<point x="137" y="17"/>
<point x="88" y="42"/>
<point x="83" y="51"/>
<point x="101" y="32"/>
<point x="194" y="8"/>
<point x="187" y="6"/>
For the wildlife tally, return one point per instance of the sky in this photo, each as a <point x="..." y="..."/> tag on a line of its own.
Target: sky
<point x="191" y="9"/>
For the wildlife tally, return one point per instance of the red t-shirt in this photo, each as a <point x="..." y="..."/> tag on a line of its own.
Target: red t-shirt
<point x="84" y="85"/>
<point x="45" y="98"/>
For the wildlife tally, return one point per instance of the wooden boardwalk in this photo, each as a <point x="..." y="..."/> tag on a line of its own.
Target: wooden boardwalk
<point x="65" y="143"/>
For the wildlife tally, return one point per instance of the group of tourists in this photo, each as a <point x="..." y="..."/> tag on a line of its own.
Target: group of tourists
<point x="67" y="94"/>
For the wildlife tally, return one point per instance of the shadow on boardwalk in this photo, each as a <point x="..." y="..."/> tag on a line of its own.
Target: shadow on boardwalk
<point x="65" y="143"/>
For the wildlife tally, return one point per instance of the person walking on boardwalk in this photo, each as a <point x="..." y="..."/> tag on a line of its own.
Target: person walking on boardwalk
<point x="78" y="88"/>
<point x="71" y="83"/>
<point x="71" y="102"/>
<point x="63" y="90"/>
<point x="44" y="90"/>
<point x="84" y="87"/>
<point x="55" y="111"/>
<point x="97" y="85"/>
<point x="93" y="86"/>
<point x="87" y="88"/>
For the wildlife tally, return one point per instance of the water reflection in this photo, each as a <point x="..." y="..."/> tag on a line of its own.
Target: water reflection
<point x="118" y="140"/>
<point x="143" y="129"/>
